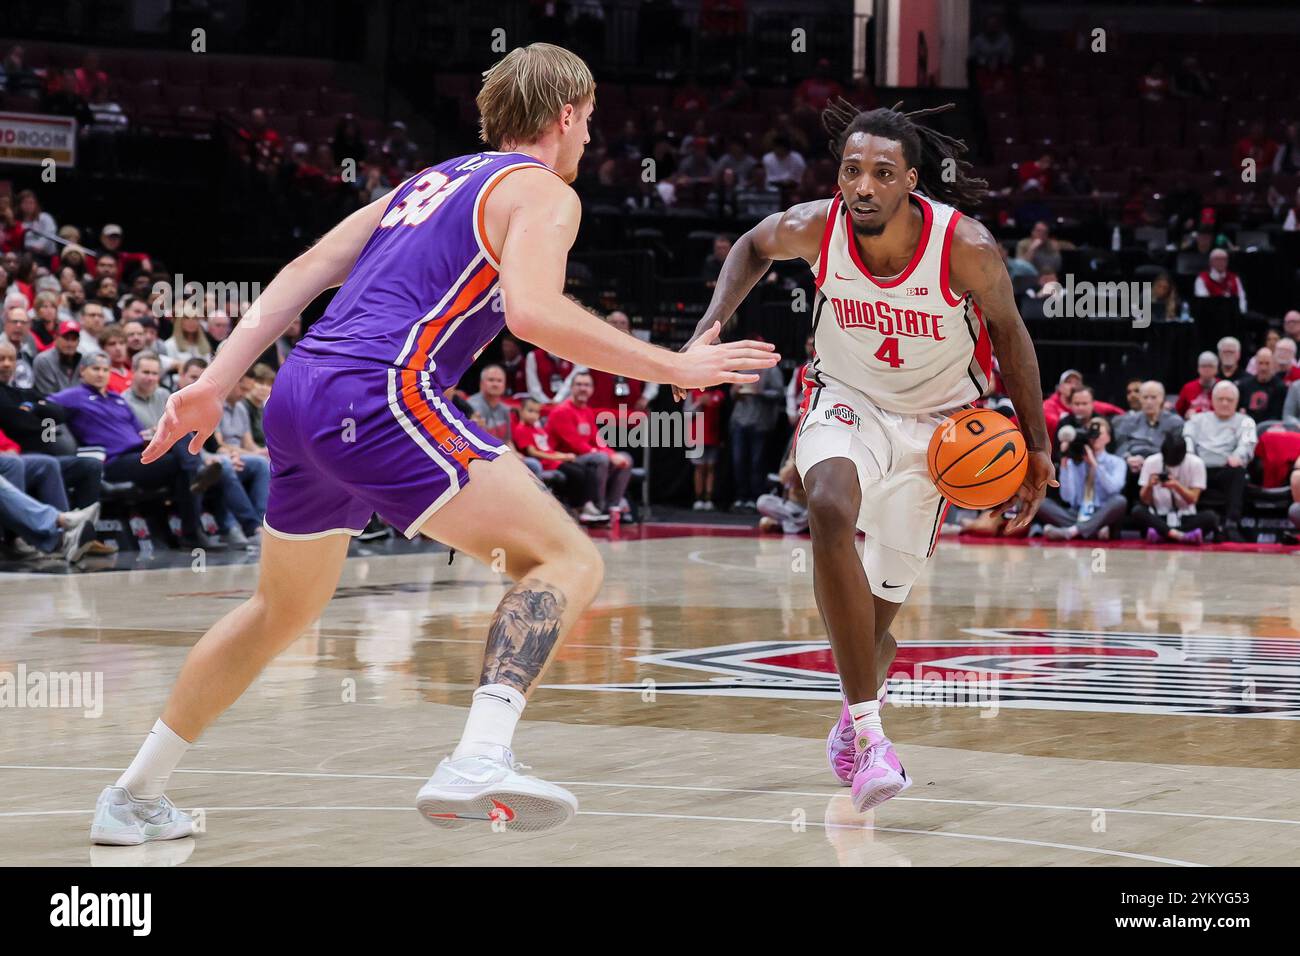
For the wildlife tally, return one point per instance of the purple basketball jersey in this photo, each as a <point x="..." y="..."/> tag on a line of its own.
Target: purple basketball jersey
<point x="422" y="296"/>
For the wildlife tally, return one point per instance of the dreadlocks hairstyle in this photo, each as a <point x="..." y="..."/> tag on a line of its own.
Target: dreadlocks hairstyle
<point x="924" y="149"/>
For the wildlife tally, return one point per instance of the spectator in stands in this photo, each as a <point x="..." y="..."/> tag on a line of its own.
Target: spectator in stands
<point x="1218" y="281"/>
<point x="1286" y="160"/>
<point x="1291" y="407"/>
<point x="259" y="390"/>
<point x="217" y="328"/>
<point x="1084" y="407"/>
<point x="1040" y="250"/>
<point x="755" y="198"/>
<point x="626" y="397"/>
<point x="512" y="362"/>
<point x="756" y="408"/>
<point x="18" y="334"/>
<point x="90" y="79"/>
<point x="11" y="230"/>
<point x="60" y="367"/>
<point x="1172" y="480"/>
<point x="45" y="320"/>
<point x="991" y="49"/>
<point x="1284" y="357"/>
<point x="488" y="402"/>
<point x="580" y="479"/>
<point x="783" y="165"/>
<point x="713" y="262"/>
<point x="1166" y="303"/>
<point x="114" y="342"/>
<point x="1263" y="393"/>
<point x="549" y="377"/>
<point x="1255" y="145"/>
<point x="1092" y="487"/>
<point x="146" y="397"/>
<point x="26" y="417"/>
<point x="814" y="93"/>
<point x="1133" y="395"/>
<point x="91" y="319"/>
<point x="1195" y="396"/>
<point x="262" y="146"/>
<point x="98" y="417"/>
<point x="787" y="127"/>
<point x="571" y="427"/>
<point x="125" y="263"/>
<point x="704" y="428"/>
<point x="1229" y="349"/>
<point x="1291" y="218"/>
<point x="188" y="338"/>
<point x="250" y="462"/>
<point x="794" y="389"/>
<point x="695" y="171"/>
<point x="134" y="309"/>
<point x="1138" y="435"/>
<point x="737" y="159"/>
<point x="1225" y="441"/>
<point x="106" y="290"/>
<point x="1058" y="403"/>
<point x="39" y="226"/>
<point x="43" y="526"/>
<point x="787" y="511"/>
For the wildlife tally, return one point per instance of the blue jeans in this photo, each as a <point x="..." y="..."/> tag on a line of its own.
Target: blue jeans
<point x="246" y="491"/>
<point x="747" y="445"/>
<point x="35" y="522"/>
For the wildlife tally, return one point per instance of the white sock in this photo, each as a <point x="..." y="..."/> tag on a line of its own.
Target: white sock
<point x="866" y="716"/>
<point x="162" y="750"/>
<point x="491" y="723"/>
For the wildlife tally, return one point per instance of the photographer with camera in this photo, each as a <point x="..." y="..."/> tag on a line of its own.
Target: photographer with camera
<point x="1172" y="481"/>
<point x="1092" y="486"/>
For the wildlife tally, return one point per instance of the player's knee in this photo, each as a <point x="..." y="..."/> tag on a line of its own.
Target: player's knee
<point x="586" y="565"/>
<point x="830" y="512"/>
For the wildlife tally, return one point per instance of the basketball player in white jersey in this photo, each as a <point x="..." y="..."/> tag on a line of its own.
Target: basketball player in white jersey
<point x="912" y="298"/>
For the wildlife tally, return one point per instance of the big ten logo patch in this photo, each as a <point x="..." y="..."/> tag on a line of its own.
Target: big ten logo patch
<point x="841" y="412"/>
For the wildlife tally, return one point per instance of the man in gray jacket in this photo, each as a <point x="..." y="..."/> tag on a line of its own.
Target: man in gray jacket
<point x="1140" y="434"/>
<point x="1225" y="440"/>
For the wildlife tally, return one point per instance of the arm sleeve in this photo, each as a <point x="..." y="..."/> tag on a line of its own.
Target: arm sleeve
<point x="1199" y="289"/>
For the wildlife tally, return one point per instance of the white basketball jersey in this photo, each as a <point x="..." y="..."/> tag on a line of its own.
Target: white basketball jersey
<point x="908" y="343"/>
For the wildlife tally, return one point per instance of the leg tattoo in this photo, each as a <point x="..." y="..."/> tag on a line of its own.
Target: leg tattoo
<point x="523" y="634"/>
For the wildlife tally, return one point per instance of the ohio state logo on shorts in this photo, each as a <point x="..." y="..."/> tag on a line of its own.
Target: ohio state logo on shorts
<point x="843" y="413"/>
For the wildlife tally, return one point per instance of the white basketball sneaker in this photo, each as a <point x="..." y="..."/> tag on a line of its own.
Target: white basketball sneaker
<point x="491" y="790"/>
<point x="122" y="820"/>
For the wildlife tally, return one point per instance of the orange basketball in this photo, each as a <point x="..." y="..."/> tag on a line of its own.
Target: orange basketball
<point x="977" y="458"/>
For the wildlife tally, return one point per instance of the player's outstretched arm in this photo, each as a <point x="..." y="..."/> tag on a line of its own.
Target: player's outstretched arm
<point x="539" y="217"/>
<point x="197" y="408"/>
<point x="976" y="267"/>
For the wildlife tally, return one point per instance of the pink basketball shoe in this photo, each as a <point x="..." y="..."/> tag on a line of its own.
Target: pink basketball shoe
<point x="878" y="774"/>
<point x="840" y="748"/>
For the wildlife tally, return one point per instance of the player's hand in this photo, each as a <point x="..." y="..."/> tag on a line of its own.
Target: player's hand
<point x="195" y="408"/>
<point x="709" y="362"/>
<point x="1029" y="496"/>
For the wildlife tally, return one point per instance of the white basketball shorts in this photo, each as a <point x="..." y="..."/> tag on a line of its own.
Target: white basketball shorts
<point x="901" y="508"/>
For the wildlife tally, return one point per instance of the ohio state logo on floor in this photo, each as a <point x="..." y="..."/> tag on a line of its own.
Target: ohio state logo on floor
<point x="1050" y="669"/>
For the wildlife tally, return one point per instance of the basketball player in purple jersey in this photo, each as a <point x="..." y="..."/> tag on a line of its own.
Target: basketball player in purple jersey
<point x="912" y="298"/>
<point x="357" y="423"/>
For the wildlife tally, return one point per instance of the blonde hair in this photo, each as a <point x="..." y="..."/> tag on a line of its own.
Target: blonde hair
<point x="524" y="92"/>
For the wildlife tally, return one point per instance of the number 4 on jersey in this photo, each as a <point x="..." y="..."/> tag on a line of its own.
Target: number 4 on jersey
<point x="888" y="352"/>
